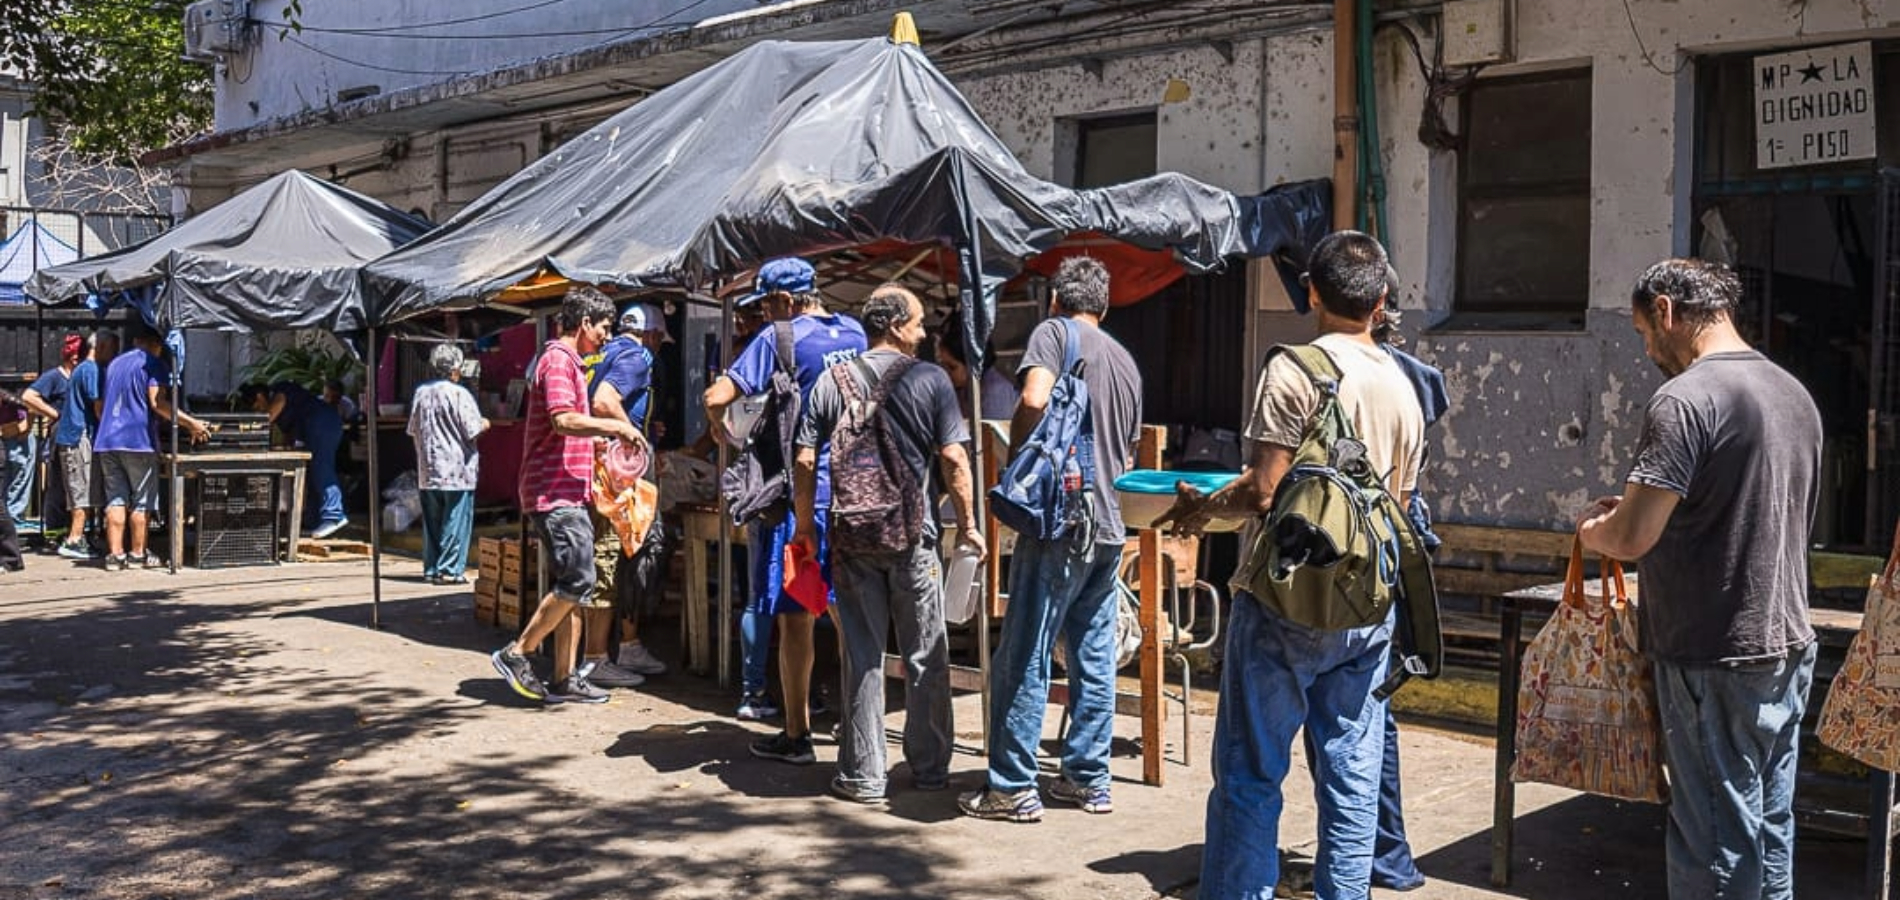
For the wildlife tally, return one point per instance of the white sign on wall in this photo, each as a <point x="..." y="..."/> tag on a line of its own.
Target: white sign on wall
<point x="1814" y="106"/>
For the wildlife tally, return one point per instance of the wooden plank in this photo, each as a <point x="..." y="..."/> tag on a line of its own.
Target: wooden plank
<point x="1477" y="583"/>
<point x="1148" y="456"/>
<point x="1495" y="539"/>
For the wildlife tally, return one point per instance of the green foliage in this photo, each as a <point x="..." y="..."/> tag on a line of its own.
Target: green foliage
<point x="310" y="367"/>
<point x="108" y="73"/>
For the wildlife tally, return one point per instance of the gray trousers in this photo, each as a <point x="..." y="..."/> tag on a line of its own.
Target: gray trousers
<point x="875" y="592"/>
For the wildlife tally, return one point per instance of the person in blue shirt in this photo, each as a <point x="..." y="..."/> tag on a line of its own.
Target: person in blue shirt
<point x="820" y="340"/>
<point x="45" y="399"/>
<point x="305" y="419"/>
<point x="620" y="386"/>
<point x="127" y="450"/>
<point x="73" y="443"/>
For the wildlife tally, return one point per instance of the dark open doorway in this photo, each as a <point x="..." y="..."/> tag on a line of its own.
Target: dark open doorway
<point x="1818" y="251"/>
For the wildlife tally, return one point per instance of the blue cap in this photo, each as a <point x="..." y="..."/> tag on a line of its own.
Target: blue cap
<point x="787" y="275"/>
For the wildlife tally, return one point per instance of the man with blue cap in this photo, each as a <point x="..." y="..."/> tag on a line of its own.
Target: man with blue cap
<point x="820" y="339"/>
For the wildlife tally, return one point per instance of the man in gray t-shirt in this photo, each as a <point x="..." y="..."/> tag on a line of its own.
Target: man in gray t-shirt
<point x="1719" y="507"/>
<point x="902" y="588"/>
<point x="1063" y="589"/>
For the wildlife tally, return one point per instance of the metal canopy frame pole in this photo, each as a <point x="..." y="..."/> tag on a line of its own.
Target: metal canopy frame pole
<point x="375" y="491"/>
<point x="724" y="624"/>
<point x="177" y="382"/>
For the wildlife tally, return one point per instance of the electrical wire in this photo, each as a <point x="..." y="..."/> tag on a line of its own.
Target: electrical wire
<point x="622" y="32"/>
<point x="1649" y="60"/>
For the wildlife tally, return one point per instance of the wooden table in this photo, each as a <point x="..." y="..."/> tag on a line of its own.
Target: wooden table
<point x="1835" y="629"/>
<point x="701" y="525"/>
<point x="281" y="463"/>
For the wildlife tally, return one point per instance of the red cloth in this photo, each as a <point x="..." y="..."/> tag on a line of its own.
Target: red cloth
<point x="556" y="470"/>
<point x="805" y="580"/>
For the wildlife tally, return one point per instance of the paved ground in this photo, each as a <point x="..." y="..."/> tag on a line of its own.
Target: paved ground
<point x="243" y="733"/>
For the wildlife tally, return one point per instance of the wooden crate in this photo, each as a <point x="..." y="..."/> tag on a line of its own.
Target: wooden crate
<point x="508" y="611"/>
<point x="488" y="558"/>
<point x="487" y="599"/>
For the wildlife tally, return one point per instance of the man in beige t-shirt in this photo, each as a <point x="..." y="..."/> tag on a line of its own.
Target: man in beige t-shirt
<point x="1280" y="676"/>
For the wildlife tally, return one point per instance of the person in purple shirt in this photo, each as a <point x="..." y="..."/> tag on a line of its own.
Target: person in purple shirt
<point x="127" y="452"/>
<point x="820" y="340"/>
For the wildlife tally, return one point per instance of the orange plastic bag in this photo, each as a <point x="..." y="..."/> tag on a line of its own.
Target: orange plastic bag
<point x="1587" y="715"/>
<point x="1861" y="716"/>
<point x="626" y="500"/>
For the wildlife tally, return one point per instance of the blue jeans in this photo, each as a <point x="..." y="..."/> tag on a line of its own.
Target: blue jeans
<point x="765" y="550"/>
<point x="448" y="520"/>
<point x="20" y="468"/>
<point x="1276" y="678"/>
<point x="322" y="435"/>
<point x="1731" y="736"/>
<point x="1392" y="862"/>
<point x="1056" y="589"/>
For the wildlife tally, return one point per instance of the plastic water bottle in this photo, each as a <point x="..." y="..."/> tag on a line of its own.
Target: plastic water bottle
<point x="1074" y="503"/>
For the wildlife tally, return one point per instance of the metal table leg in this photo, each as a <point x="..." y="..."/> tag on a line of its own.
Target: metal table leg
<point x="1880" y="836"/>
<point x="1504" y="799"/>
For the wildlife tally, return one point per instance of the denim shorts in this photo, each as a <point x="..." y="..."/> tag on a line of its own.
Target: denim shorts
<point x="568" y="536"/>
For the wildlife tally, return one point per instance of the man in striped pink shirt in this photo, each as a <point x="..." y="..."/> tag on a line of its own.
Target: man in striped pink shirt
<point x="557" y="478"/>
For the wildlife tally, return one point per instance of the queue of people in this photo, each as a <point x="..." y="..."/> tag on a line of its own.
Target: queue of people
<point x="1713" y="487"/>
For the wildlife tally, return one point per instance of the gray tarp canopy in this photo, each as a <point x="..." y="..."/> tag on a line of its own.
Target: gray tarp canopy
<point x="785" y="148"/>
<point x="283" y="254"/>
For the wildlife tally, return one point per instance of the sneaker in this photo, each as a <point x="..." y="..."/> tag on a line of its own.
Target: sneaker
<point x="1021" y="806"/>
<point x="845" y="791"/>
<point x="116" y="563"/>
<point x="637" y="658"/>
<point x="785" y="748"/>
<point x="575" y="688"/>
<point x="757" y="707"/>
<point x="71" y="550"/>
<point x="819" y="706"/>
<point x="603" y="673"/>
<point x="520" y="674"/>
<point x="1091" y="799"/>
<point x="325" y="529"/>
<point x="149" y="561"/>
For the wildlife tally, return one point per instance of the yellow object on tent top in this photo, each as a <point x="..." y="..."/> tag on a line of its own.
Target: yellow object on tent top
<point x="904" y="29"/>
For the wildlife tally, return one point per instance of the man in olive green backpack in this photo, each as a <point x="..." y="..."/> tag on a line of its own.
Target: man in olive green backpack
<point x="1281" y="674"/>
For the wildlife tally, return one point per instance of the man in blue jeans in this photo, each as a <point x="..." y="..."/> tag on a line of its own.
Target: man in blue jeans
<point x="1719" y="506"/>
<point x="1280" y="676"/>
<point x="1064" y="589"/>
<point x="305" y="419"/>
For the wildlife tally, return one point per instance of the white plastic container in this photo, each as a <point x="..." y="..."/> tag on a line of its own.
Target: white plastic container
<point x="962" y="583"/>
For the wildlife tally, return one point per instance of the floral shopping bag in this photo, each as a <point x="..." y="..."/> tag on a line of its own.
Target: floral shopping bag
<point x="1587" y="706"/>
<point x="1861" y="717"/>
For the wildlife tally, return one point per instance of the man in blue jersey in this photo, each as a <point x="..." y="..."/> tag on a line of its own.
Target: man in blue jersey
<point x="820" y="340"/>
<point x="620" y="386"/>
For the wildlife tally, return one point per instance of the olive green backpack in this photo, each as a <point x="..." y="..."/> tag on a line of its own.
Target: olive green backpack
<point x="1336" y="549"/>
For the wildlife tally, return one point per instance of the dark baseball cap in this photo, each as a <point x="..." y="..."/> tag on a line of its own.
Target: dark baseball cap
<point x="785" y="275"/>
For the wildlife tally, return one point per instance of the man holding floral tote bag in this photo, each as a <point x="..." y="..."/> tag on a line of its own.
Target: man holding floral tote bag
<point x="1719" y="506"/>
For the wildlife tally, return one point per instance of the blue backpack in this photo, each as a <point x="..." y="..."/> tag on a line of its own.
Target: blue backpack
<point x="1030" y="497"/>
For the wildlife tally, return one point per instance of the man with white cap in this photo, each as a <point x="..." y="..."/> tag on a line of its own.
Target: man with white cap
<point x="620" y="385"/>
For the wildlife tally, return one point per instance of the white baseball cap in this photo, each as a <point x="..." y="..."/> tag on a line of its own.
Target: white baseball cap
<point x="644" y="317"/>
